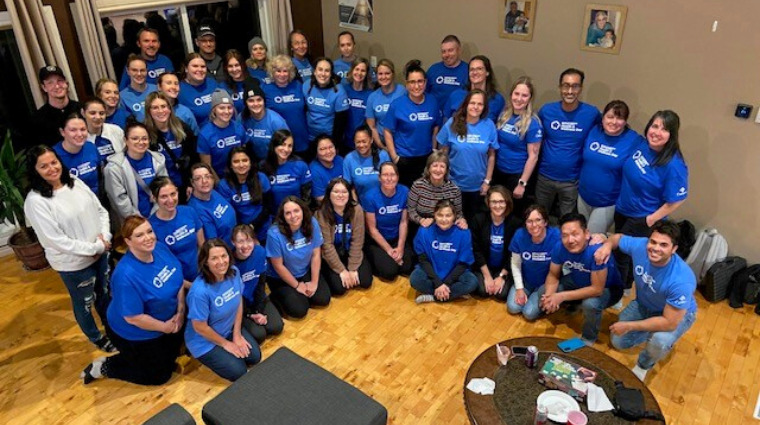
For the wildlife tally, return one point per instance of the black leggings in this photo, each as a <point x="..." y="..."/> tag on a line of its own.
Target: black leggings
<point x="149" y="362"/>
<point x="628" y="226"/>
<point x="273" y="327"/>
<point x="294" y="303"/>
<point x="383" y="265"/>
<point x="336" y="285"/>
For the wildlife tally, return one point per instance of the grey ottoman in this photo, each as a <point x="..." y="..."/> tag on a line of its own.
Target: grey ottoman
<point x="172" y="415"/>
<point x="286" y="389"/>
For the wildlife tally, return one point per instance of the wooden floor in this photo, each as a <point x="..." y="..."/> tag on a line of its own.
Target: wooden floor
<point x="410" y="358"/>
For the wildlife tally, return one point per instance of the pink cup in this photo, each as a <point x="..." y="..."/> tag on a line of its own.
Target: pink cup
<point x="576" y="417"/>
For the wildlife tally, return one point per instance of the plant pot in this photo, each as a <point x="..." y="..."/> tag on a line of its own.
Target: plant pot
<point x="28" y="250"/>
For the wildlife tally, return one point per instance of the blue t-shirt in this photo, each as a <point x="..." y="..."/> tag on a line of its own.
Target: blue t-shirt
<point x="341" y="67"/>
<point x="412" y="125"/>
<point x="217" y="216"/>
<point x="495" y="104"/>
<point x="238" y="100"/>
<point x="362" y="173"/>
<point x="673" y="283"/>
<point x="646" y="188"/>
<point x="134" y="100"/>
<point x="176" y="150"/>
<point x="290" y="103"/>
<point x="321" y="106"/>
<point x="513" y="150"/>
<point x="218" y="142"/>
<point x="144" y="169"/>
<point x="144" y="288"/>
<point x="180" y="234"/>
<point x="321" y="175"/>
<point x="216" y="304"/>
<point x="378" y="104"/>
<point x="304" y="68"/>
<point x="288" y="180"/>
<point x="260" y="131"/>
<point x="442" y="80"/>
<point x="583" y="264"/>
<point x="119" y="116"/>
<point x="186" y="116"/>
<point x="444" y="248"/>
<point x="468" y="155"/>
<point x="357" y="111"/>
<point x="387" y="210"/>
<point x="342" y="232"/>
<point x="240" y="199"/>
<point x="85" y="164"/>
<point x="250" y="272"/>
<point x="104" y="147"/>
<point x="296" y="256"/>
<point x="155" y="67"/>
<point x="564" y="134"/>
<point x="259" y="73"/>
<point x="535" y="256"/>
<point x="602" y="169"/>
<point x="496" y="245"/>
<point x="197" y="99"/>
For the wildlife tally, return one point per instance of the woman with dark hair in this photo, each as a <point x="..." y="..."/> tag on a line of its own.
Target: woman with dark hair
<point x="481" y="77"/>
<point x="107" y="138"/>
<point x="107" y="90"/>
<point x="491" y="233"/>
<point x="411" y="124"/>
<point x="168" y="84"/>
<point x="288" y="174"/>
<point x="147" y="312"/>
<point x="380" y="100"/>
<point x="295" y="258"/>
<point x="434" y="186"/>
<point x="216" y="213"/>
<point x="284" y="95"/>
<point x="247" y="190"/>
<point x="469" y="138"/>
<point x="133" y="96"/>
<point x="299" y="53"/>
<point x="80" y="158"/>
<point x="342" y="222"/>
<point x="326" y="166"/>
<point x="327" y="103"/>
<point x="257" y="63"/>
<point x="177" y="226"/>
<point x="216" y="336"/>
<point x="520" y="137"/>
<point x="360" y="168"/>
<point x="655" y="183"/>
<point x="73" y="228"/>
<point x="260" y="317"/>
<point x="222" y="133"/>
<point x="259" y="122"/>
<point x="172" y="138"/>
<point x="607" y="147"/>
<point x="128" y="174"/>
<point x="531" y="249"/>
<point x="196" y="88"/>
<point x="236" y="79"/>
<point x="445" y="255"/>
<point x="358" y="87"/>
<point x="389" y="250"/>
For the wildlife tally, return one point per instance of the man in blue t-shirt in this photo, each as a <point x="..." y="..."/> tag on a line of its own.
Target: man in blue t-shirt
<point x="566" y="124"/>
<point x="157" y="64"/>
<point x="664" y="308"/>
<point x="450" y="73"/>
<point x="596" y="286"/>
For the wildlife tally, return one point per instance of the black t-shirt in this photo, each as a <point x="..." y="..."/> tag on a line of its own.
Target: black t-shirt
<point x="47" y="121"/>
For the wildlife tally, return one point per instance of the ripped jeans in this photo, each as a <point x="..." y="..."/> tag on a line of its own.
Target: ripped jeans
<point x="89" y="288"/>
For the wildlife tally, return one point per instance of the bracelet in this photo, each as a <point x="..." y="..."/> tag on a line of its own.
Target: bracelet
<point x="487" y="181"/>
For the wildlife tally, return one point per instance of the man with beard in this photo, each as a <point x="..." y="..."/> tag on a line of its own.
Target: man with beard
<point x="48" y="119"/>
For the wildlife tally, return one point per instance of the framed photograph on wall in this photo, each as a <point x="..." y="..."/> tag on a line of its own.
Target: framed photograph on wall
<point x="517" y="19"/>
<point x="603" y="26"/>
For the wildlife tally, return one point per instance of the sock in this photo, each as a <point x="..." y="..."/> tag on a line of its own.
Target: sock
<point x="424" y="298"/>
<point x="93" y="371"/>
<point x="640" y="372"/>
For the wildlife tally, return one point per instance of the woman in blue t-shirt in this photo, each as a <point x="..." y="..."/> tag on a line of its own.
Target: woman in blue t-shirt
<point x="215" y="335"/>
<point x="481" y="77"/>
<point x="326" y="102"/>
<point x="388" y="249"/>
<point x="221" y="133"/>
<point x="261" y="318"/>
<point x="380" y="100"/>
<point x="284" y="95"/>
<point x="288" y="174"/>
<point x="360" y="167"/>
<point x="326" y="166"/>
<point x="80" y="158"/>
<point x="299" y="52"/>
<point x="655" y="183"/>
<point x="168" y="84"/>
<point x="107" y="138"/>
<point x="258" y="61"/>
<point x="196" y="88"/>
<point x="107" y="90"/>
<point x="216" y="213"/>
<point x="236" y="78"/>
<point x="531" y="249"/>
<point x="147" y="311"/>
<point x="520" y="137"/>
<point x="259" y="122"/>
<point x="445" y="255"/>
<point x="607" y="147"/>
<point x="358" y="87"/>
<point x="247" y="190"/>
<point x="294" y="252"/>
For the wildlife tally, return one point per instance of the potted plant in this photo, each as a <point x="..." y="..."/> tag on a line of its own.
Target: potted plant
<point x="12" y="175"/>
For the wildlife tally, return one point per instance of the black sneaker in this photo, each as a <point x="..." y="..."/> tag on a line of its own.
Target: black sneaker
<point x="105" y="344"/>
<point x="86" y="374"/>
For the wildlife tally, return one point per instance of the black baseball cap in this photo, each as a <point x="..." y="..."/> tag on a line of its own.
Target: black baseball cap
<point x="205" y="30"/>
<point x="47" y="71"/>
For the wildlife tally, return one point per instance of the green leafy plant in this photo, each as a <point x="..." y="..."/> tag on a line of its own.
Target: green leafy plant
<point x="12" y="178"/>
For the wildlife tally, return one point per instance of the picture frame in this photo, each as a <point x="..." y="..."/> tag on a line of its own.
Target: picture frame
<point x="517" y="19"/>
<point x="603" y="26"/>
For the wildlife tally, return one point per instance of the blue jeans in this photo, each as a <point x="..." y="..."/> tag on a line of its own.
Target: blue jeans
<point x="659" y="344"/>
<point x="226" y="365"/>
<point x="532" y="308"/>
<point x="466" y="283"/>
<point x="592" y="307"/>
<point x="87" y="288"/>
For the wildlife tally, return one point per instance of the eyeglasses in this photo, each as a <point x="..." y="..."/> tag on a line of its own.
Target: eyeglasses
<point x="415" y="82"/>
<point x="206" y="177"/>
<point x="498" y="202"/>
<point x="536" y="221"/>
<point x="574" y="87"/>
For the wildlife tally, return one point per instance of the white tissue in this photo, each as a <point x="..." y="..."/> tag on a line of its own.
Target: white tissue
<point x="596" y="399"/>
<point x="482" y="386"/>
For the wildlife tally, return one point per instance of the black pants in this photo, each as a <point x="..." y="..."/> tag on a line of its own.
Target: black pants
<point x="294" y="303"/>
<point x="148" y="362"/>
<point x="510" y="181"/>
<point x="628" y="226"/>
<point x="410" y="168"/>
<point x="336" y="285"/>
<point x="383" y="265"/>
<point x="481" y="289"/>
<point x="273" y="327"/>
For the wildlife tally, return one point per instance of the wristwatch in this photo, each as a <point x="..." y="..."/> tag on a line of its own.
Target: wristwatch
<point x="522" y="182"/>
<point x="503" y="275"/>
<point x="487" y="181"/>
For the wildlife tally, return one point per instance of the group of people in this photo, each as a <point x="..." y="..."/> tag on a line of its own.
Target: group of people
<point x="312" y="177"/>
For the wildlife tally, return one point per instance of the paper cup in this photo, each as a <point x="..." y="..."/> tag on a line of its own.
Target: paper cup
<point x="576" y="418"/>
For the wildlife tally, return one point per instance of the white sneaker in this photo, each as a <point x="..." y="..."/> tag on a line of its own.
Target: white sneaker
<point x="639" y="372"/>
<point x="424" y="298"/>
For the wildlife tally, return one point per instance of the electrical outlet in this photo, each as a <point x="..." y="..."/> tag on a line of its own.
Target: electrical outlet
<point x="757" y="117"/>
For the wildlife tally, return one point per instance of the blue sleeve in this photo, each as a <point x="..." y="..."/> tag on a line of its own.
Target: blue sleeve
<point x="131" y="302"/>
<point x="265" y="185"/>
<point x="629" y="244"/>
<point x="558" y="256"/>
<point x="209" y="228"/>
<point x="443" y="134"/>
<point x="514" y="245"/>
<point x="193" y="124"/>
<point x="466" y="256"/>
<point x="449" y="108"/>
<point x="203" y="145"/>
<point x="419" y="243"/>
<point x="499" y="104"/>
<point x="370" y="114"/>
<point x="124" y="80"/>
<point x="197" y="302"/>
<point x="305" y="173"/>
<point x="274" y="247"/>
<point x="492" y="136"/>
<point x="278" y="123"/>
<point x="535" y="133"/>
<point x="677" y="181"/>
<point x="437" y="112"/>
<point x="389" y="122"/>
<point x="316" y="233"/>
<point x="681" y="291"/>
<point x="341" y="100"/>
<point x="347" y="168"/>
<point x="196" y="219"/>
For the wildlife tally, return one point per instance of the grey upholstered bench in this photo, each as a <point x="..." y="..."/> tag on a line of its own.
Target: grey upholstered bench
<point x="174" y="414"/>
<point x="286" y="389"/>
